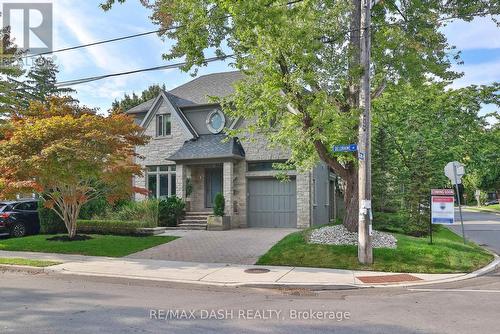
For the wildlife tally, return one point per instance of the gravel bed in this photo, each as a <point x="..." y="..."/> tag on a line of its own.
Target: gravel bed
<point x="339" y="235"/>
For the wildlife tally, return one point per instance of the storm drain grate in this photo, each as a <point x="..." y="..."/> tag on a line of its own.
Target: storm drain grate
<point x="389" y="278"/>
<point x="257" y="271"/>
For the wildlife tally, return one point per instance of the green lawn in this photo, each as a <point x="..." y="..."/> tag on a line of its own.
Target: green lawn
<point x="448" y="254"/>
<point x="99" y="245"/>
<point x="495" y="208"/>
<point x="28" y="262"/>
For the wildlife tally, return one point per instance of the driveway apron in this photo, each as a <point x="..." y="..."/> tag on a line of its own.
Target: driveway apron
<point x="238" y="246"/>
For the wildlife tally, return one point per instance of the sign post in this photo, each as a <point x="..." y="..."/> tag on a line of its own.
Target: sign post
<point x="454" y="171"/>
<point x="477" y="194"/>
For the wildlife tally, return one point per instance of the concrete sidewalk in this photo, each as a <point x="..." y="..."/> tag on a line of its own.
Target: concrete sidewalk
<point x="235" y="275"/>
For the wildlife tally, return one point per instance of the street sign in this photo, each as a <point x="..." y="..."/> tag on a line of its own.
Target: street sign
<point x="442" y="210"/>
<point x="345" y="148"/>
<point x="454" y="171"/>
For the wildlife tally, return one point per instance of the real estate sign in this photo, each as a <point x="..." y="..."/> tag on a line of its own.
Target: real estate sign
<point x="442" y="209"/>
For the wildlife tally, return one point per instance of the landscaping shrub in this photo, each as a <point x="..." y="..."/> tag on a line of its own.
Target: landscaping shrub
<point x="144" y="211"/>
<point x="399" y="222"/>
<point x="94" y="208"/>
<point x="116" y="227"/>
<point x="219" y="204"/>
<point x="170" y="210"/>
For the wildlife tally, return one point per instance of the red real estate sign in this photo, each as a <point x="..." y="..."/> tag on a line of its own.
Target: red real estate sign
<point x="442" y="209"/>
<point x="442" y="192"/>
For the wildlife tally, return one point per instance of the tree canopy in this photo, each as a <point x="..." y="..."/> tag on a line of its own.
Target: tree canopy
<point x="41" y="79"/>
<point x="10" y="72"/>
<point x="416" y="132"/>
<point x="128" y="102"/>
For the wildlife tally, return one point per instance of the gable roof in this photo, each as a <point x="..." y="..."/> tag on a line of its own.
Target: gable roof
<point x="209" y="146"/>
<point x="167" y="97"/>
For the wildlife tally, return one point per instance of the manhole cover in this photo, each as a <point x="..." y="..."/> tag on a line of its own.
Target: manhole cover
<point x="257" y="271"/>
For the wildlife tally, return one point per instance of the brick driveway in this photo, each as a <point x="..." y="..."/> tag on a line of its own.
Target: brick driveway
<point x="239" y="246"/>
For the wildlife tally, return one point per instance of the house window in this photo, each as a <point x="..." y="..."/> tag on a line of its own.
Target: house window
<point x="163" y="125"/>
<point x="263" y="166"/>
<point x="216" y="121"/>
<point x="161" y="181"/>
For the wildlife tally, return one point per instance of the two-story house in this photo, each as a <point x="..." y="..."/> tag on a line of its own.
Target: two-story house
<point x="188" y="145"/>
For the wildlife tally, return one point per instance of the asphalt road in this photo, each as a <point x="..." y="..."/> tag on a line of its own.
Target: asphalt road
<point x="480" y="227"/>
<point x="61" y="304"/>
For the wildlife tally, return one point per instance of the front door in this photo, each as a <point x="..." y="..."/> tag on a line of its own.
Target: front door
<point x="213" y="185"/>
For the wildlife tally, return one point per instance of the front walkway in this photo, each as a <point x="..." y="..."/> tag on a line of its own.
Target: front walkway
<point x="238" y="246"/>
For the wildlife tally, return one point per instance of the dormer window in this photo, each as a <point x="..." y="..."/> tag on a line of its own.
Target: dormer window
<point x="216" y="121"/>
<point x="163" y="125"/>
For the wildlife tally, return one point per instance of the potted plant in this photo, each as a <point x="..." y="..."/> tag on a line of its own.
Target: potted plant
<point x="218" y="221"/>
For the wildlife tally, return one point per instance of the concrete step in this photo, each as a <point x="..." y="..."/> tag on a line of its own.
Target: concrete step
<point x="194" y="221"/>
<point x="199" y="213"/>
<point x="192" y="226"/>
<point x="195" y="217"/>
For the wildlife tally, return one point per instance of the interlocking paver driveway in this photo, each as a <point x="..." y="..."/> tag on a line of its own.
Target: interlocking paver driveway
<point x="239" y="246"/>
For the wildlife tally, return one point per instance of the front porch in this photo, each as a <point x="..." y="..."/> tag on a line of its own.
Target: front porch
<point x="198" y="183"/>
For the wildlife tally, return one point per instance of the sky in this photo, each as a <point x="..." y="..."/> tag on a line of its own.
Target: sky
<point x="80" y="22"/>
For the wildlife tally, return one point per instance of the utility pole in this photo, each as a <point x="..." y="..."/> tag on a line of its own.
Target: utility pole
<point x="365" y="253"/>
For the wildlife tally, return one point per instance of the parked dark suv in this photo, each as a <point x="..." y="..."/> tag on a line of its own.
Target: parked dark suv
<point x="19" y="218"/>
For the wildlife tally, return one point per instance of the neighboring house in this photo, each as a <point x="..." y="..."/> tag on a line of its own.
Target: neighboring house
<point x="188" y="144"/>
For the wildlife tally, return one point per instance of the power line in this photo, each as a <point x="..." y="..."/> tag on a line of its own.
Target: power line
<point x="103" y="41"/>
<point x="156" y="68"/>
<point x="126" y="37"/>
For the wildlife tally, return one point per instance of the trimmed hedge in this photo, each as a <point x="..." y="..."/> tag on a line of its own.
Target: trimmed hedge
<point x="116" y="227"/>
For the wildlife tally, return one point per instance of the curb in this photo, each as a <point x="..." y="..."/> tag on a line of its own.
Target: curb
<point x="493" y="265"/>
<point x="20" y="268"/>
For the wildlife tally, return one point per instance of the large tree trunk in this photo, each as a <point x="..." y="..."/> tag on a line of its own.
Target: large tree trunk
<point x="351" y="201"/>
<point x="349" y="174"/>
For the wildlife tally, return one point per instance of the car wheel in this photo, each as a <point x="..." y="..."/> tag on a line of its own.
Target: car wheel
<point x="18" y="230"/>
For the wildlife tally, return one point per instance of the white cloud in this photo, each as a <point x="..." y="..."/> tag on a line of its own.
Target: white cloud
<point x="478" y="74"/>
<point x="73" y="19"/>
<point x="481" y="33"/>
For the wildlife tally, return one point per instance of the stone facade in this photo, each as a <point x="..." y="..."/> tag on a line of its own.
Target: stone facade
<point x="157" y="149"/>
<point x="304" y="202"/>
<point x="235" y="174"/>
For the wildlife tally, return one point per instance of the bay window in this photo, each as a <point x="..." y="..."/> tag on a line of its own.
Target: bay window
<point x="161" y="181"/>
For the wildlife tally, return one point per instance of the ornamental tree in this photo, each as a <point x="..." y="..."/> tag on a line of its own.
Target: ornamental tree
<point x="302" y="63"/>
<point x="69" y="155"/>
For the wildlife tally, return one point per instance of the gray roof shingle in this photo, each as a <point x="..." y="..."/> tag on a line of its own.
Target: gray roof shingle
<point x="198" y="90"/>
<point x="143" y="107"/>
<point x="216" y="84"/>
<point x="209" y="146"/>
